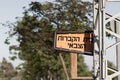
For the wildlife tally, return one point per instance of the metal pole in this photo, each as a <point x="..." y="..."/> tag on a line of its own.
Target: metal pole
<point x="118" y="48"/>
<point x="100" y="68"/>
<point x="102" y="34"/>
<point x="96" y="58"/>
<point x="99" y="58"/>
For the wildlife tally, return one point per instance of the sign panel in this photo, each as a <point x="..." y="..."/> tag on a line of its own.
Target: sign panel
<point x="74" y="42"/>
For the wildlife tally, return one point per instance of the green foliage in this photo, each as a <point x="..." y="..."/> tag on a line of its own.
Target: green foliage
<point x="7" y="71"/>
<point x="82" y="67"/>
<point x="112" y="66"/>
<point x="7" y="41"/>
<point x="35" y="33"/>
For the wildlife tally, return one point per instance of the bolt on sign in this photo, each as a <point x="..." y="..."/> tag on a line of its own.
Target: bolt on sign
<point x="74" y="42"/>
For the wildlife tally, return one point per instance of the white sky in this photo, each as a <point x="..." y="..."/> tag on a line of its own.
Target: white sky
<point x="9" y="9"/>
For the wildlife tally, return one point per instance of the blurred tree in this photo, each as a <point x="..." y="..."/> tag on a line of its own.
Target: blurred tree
<point x="35" y="32"/>
<point x="7" y="70"/>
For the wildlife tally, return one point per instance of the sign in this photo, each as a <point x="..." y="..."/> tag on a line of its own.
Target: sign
<point x="74" y="42"/>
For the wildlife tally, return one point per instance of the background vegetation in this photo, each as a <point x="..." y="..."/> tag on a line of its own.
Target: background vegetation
<point x="35" y="34"/>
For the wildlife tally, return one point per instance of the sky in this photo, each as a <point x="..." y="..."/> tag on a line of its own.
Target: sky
<point x="9" y="9"/>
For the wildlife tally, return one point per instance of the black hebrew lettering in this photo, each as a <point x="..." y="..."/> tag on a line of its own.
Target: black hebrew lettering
<point x="76" y="39"/>
<point x="81" y="45"/>
<point x="69" y="38"/>
<point x="73" y="39"/>
<point x="60" y="38"/>
<point x="70" y="45"/>
<point x="75" y="45"/>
